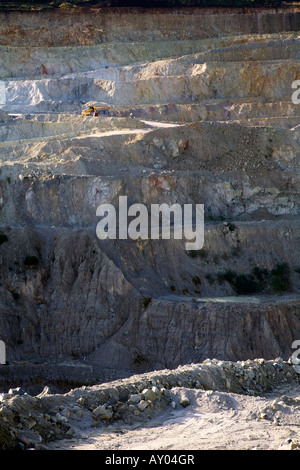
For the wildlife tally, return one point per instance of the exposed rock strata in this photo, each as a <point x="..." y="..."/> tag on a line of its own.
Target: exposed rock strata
<point x="201" y="112"/>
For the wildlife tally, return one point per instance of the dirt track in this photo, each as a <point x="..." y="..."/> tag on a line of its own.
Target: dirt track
<point x="212" y="421"/>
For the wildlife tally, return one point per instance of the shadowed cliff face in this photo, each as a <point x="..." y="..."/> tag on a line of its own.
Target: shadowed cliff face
<point x="200" y="113"/>
<point x="75" y="299"/>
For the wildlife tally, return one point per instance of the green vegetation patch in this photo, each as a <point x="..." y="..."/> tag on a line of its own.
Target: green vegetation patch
<point x="280" y="278"/>
<point x="3" y="238"/>
<point x="146" y="302"/>
<point x="259" y="280"/>
<point x="31" y="261"/>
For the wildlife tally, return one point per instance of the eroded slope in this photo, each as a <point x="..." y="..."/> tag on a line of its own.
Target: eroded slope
<point x="201" y="112"/>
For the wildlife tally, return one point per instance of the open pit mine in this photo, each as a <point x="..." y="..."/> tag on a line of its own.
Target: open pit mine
<point x="182" y="105"/>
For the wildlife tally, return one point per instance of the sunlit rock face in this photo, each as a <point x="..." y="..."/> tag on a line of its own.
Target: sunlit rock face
<point x="201" y="112"/>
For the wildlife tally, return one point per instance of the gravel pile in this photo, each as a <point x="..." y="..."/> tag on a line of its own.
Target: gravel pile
<point x="31" y="421"/>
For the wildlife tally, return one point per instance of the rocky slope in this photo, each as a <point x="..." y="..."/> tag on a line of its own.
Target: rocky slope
<point x="201" y="112"/>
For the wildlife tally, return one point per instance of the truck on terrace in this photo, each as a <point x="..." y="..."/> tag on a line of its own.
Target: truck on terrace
<point x="96" y="109"/>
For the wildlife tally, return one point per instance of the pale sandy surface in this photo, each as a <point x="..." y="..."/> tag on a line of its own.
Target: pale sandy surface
<point x="212" y="421"/>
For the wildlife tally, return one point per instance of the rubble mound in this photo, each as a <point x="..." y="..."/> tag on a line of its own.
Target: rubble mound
<point x="37" y="421"/>
<point x="200" y="112"/>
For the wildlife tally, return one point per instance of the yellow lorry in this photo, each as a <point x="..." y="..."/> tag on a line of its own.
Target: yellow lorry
<point x="96" y="109"/>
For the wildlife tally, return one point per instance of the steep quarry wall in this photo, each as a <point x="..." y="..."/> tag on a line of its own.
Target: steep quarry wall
<point x="95" y="26"/>
<point x="201" y="112"/>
